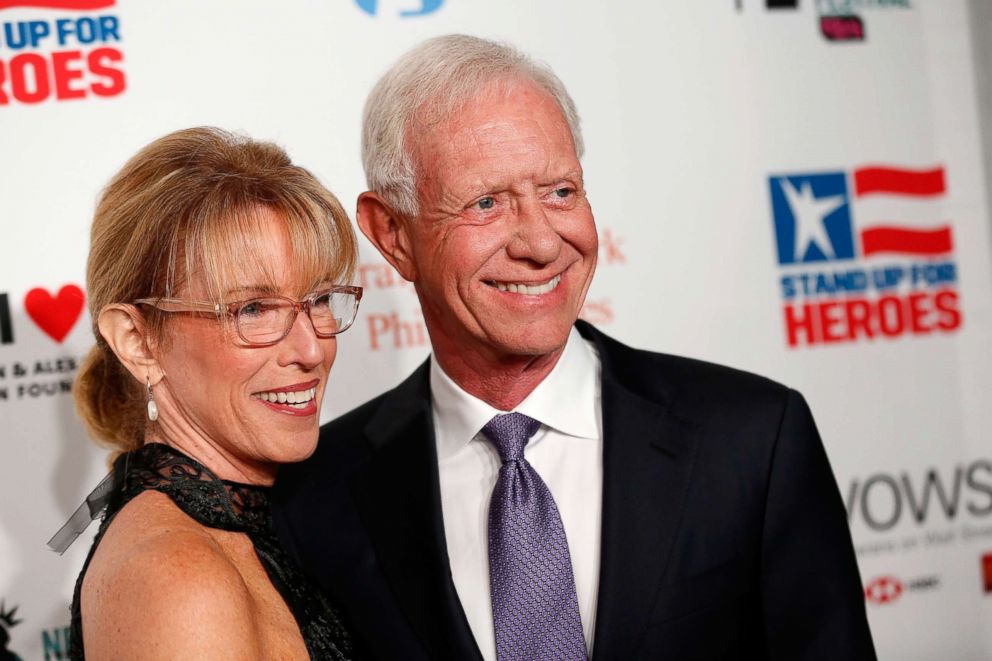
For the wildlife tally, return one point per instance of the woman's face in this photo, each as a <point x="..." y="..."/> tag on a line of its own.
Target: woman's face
<point x="214" y="399"/>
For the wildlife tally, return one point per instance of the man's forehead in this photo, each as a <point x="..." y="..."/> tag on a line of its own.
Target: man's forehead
<point x="513" y="124"/>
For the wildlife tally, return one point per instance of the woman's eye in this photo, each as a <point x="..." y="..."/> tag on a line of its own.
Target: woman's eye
<point x="252" y="309"/>
<point x="486" y="203"/>
<point x="321" y="301"/>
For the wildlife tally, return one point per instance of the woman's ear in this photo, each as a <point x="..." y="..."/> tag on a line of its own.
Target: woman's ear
<point x="125" y="331"/>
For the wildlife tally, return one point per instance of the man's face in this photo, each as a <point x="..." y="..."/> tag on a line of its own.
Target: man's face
<point x="505" y="245"/>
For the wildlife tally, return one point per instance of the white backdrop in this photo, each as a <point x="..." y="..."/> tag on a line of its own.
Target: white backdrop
<point x="729" y="146"/>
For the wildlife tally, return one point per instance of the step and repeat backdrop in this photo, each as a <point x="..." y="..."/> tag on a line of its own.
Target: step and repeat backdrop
<point x="792" y="188"/>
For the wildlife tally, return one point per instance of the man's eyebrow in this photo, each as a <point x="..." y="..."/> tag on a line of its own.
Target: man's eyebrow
<point x="571" y="175"/>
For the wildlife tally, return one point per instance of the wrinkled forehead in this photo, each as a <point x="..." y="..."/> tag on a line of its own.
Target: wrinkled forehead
<point x="509" y="130"/>
<point x="443" y="115"/>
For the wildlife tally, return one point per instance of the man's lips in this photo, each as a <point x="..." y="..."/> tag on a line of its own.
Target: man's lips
<point x="528" y="288"/>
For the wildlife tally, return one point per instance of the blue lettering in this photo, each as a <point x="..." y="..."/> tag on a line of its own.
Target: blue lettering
<point x="788" y="287"/>
<point x="933" y="275"/>
<point x="823" y="283"/>
<point x="887" y="278"/>
<point x="87" y="29"/>
<point x="25" y="34"/>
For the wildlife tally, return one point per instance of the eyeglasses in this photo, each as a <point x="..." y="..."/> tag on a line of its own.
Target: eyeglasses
<point x="264" y="321"/>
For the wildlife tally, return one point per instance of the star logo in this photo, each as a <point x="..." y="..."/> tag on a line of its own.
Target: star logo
<point x="812" y="218"/>
<point x="809" y="213"/>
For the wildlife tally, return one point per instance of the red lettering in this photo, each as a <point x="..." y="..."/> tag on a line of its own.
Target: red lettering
<point x="379" y="324"/>
<point x="64" y="75"/>
<point x="859" y="316"/>
<point x="890" y="318"/>
<point x="947" y="304"/>
<point x="794" y="325"/>
<point x="97" y="61"/>
<point x="918" y="312"/>
<point x="19" y="68"/>
<point x="829" y="322"/>
<point x="3" y="74"/>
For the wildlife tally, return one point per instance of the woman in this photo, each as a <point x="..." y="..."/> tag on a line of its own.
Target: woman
<point x="213" y="285"/>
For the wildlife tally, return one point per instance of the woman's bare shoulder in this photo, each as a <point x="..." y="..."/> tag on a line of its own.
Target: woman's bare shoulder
<point x="161" y="586"/>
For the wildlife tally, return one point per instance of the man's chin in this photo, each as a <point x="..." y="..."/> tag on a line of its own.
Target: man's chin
<point x="526" y="344"/>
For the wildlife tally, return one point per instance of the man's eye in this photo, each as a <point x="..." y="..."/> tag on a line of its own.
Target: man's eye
<point x="564" y="191"/>
<point x="486" y="203"/>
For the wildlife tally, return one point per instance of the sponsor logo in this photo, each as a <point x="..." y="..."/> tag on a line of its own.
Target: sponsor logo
<point x="864" y="255"/>
<point x="883" y="590"/>
<point x="842" y="28"/>
<point x="847" y="7"/>
<point x="60" y="59"/>
<point x="887" y="589"/>
<point x="372" y="7"/>
<point x="6" y="327"/>
<point x="883" y="500"/>
<point x="55" y="315"/>
<point x="55" y="643"/>
<point x="987" y="572"/>
<point x="772" y="4"/>
<point x="837" y="18"/>
<point x="7" y="622"/>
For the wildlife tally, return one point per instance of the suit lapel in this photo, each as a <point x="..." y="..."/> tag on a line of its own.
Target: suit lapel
<point x="648" y="455"/>
<point x="398" y="497"/>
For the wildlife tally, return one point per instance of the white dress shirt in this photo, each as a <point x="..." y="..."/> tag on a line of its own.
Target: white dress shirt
<point x="567" y="452"/>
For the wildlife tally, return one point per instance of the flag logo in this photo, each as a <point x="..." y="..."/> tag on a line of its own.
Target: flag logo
<point x="864" y="254"/>
<point x="813" y="218"/>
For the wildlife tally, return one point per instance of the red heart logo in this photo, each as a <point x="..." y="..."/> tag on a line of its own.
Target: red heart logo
<point x="56" y="315"/>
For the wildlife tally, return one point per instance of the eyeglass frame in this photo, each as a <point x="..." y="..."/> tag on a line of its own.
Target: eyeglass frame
<point x="232" y="308"/>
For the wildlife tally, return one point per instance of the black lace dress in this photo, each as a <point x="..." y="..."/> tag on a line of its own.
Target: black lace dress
<point x="227" y="506"/>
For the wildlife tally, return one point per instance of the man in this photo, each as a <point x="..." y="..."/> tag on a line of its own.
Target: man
<point x="632" y="506"/>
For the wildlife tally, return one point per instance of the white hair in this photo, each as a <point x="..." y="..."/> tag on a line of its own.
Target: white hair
<point x="431" y="81"/>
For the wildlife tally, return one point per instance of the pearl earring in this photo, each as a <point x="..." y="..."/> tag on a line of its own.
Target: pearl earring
<point x="152" y="406"/>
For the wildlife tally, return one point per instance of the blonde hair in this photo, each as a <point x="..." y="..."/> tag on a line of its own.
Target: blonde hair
<point x="187" y="205"/>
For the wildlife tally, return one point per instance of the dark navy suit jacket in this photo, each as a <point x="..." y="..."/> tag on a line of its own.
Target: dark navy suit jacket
<point x="723" y="535"/>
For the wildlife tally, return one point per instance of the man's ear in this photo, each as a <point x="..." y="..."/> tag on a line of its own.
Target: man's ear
<point x="387" y="232"/>
<point x="125" y="331"/>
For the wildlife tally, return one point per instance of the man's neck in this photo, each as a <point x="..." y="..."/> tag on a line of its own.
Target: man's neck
<point x="501" y="382"/>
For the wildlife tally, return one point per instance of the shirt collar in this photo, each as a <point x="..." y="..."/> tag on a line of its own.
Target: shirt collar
<point x="567" y="400"/>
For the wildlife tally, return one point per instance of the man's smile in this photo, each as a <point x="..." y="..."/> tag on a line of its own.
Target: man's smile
<point x="536" y="289"/>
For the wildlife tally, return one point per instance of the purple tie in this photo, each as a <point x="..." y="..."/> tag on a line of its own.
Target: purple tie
<point x="535" y="608"/>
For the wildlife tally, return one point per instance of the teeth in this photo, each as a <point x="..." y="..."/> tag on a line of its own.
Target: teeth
<point x="297" y="399"/>
<point x="530" y="290"/>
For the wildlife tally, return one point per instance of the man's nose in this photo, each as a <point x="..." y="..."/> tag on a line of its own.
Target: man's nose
<point x="535" y="237"/>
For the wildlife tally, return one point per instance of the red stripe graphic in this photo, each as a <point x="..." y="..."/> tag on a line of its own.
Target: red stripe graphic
<point x="79" y="5"/>
<point x="898" y="181"/>
<point x="913" y="242"/>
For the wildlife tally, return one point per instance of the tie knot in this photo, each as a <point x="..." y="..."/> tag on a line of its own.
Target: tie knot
<point x="509" y="433"/>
